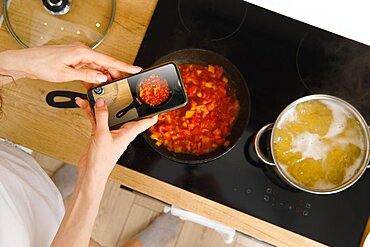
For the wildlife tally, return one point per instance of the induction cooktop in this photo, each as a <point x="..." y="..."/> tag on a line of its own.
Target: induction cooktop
<point x="281" y="60"/>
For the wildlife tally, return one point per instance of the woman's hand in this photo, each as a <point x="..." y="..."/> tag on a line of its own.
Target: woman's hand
<point x="103" y="150"/>
<point x="60" y="63"/>
<point x="105" y="146"/>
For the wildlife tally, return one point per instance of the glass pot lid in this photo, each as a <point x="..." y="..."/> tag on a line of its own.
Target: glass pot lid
<point x="40" y="22"/>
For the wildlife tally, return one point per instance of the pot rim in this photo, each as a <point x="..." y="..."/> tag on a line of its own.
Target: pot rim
<point x="360" y="171"/>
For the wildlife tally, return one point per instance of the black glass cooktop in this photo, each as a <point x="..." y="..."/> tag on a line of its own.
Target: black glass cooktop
<point x="281" y="60"/>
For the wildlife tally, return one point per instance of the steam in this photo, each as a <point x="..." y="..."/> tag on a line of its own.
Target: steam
<point x="341" y="67"/>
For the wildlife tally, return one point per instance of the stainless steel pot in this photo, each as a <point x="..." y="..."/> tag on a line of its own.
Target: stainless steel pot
<point x="278" y="167"/>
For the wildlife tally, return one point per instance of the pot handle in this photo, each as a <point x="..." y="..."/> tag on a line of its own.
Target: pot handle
<point x="257" y="147"/>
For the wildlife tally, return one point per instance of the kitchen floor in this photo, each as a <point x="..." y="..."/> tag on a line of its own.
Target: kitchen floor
<point x="123" y="214"/>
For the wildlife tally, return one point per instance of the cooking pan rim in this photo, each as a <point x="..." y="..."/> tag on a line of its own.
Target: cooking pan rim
<point x="240" y="123"/>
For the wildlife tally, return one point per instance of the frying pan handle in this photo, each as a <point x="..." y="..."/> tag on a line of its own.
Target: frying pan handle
<point x="123" y="112"/>
<point x="68" y="95"/>
<point x="257" y="147"/>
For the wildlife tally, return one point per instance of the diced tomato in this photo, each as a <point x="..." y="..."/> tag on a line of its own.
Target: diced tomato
<point x="217" y="132"/>
<point x="218" y="72"/>
<point x="204" y="123"/>
<point x="192" y="90"/>
<point x="154" y="90"/>
<point x="162" y="129"/>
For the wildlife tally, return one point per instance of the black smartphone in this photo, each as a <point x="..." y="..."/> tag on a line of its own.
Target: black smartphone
<point x="153" y="91"/>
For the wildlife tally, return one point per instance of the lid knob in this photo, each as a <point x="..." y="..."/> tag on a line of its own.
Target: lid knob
<point x="57" y="7"/>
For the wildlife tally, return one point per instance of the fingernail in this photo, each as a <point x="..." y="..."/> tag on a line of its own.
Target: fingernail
<point x="137" y="69"/>
<point x="77" y="98"/>
<point x="100" y="102"/>
<point x="101" y="78"/>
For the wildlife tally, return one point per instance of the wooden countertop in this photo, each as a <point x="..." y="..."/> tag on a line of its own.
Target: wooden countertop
<point x="63" y="133"/>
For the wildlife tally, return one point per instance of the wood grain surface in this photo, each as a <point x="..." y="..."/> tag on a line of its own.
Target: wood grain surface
<point x="118" y="96"/>
<point x="63" y="133"/>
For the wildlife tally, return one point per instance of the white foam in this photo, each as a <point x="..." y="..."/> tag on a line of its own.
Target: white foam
<point x="324" y="185"/>
<point x="288" y="117"/>
<point x="340" y="116"/>
<point x="310" y="146"/>
<point x="352" y="170"/>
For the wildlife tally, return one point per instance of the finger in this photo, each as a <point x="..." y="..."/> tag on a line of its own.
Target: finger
<point x="87" y="85"/>
<point x="101" y="115"/>
<point x="84" y="105"/>
<point x="109" y="76"/>
<point x="79" y="65"/>
<point x="84" y="74"/>
<point x="109" y="62"/>
<point x="96" y="67"/>
<point x="114" y="73"/>
<point x="109" y="72"/>
<point x="130" y="130"/>
<point x="90" y="65"/>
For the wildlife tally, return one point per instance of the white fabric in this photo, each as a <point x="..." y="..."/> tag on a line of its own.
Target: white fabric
<point x="31" y="207"/>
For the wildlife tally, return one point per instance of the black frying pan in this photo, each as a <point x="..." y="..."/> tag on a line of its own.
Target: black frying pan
<point x="137" y="101"/>
<point x="237" y="85"/>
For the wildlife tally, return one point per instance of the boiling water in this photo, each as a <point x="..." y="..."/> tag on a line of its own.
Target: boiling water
<point x="319" y="143"/>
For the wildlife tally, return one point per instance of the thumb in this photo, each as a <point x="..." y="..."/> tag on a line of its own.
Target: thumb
<point x="131" y="129"/>
<point x="84" y="74"/>
<point x="101" y="115"/>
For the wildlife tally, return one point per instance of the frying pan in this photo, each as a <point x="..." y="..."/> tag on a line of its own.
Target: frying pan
<point x="137" y="101"/>
<point x="237" y="84"/>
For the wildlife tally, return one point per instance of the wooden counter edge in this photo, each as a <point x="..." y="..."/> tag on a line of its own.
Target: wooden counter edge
<point x="225" y="215"/>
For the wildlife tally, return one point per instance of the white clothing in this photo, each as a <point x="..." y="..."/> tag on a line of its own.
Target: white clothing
<point x="31" y="207"/>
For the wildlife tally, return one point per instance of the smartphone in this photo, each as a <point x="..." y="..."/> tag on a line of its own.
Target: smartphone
<point x="153" y="91"/>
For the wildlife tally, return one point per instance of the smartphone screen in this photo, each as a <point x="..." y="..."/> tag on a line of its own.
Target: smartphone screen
<point x="147" y="93"/>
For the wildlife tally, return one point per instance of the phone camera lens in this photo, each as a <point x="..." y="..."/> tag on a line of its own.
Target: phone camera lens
<point x="99" y="90"/>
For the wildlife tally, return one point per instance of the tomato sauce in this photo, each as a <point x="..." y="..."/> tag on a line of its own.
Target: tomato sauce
<point x="154" y="90"/>
<point x="205" y="122"/>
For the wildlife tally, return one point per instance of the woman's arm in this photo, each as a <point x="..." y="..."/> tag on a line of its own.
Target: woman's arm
<point x="60" y="63"/>
<point x="77" y="62"/>
<point x="103" y="151"/>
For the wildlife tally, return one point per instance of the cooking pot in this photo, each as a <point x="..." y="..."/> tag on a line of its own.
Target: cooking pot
<point x="237" y="84"/>
<point x="281" y="168"/>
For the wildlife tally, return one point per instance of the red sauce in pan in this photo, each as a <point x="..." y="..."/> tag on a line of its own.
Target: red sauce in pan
<point x="154" y="90"/>
<point x="204" y="123"/>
